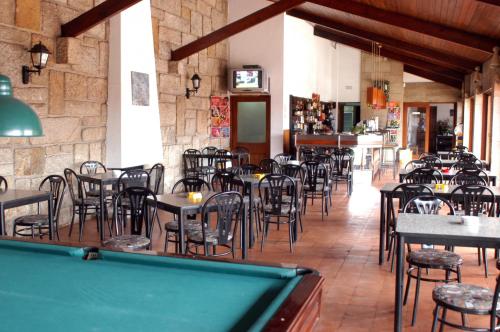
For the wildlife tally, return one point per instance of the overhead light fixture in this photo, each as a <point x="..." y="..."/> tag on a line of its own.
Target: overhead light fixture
<point x="17" y="119"/>
<point x="39" y="57"/>
<point x="196" y="80"/>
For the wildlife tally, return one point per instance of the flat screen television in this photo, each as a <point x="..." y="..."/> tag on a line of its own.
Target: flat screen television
<point x="247" y="80"/>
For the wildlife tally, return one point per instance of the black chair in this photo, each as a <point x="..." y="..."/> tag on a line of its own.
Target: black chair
<point x="156" y="178"/>
<point x="306" y="154"/>
<point x="223" y="160"/>
<point x="134" y="178"/>
<point x="466" y="299"/>
<point x="92" y="167"/>
<point x="461" y="179"/>
<point x="248" y="169"/>
<point x="282" y="158"/>
<point x="142" y="213"/>
<point x="269" y="166"/>
<point x="296" y="173"/>
<point x="228" y="207"/>
<point x="172" y="227"/>
<point x="56" y="185"/>
<point x="226" y="181"/>
<point x="404" y="192"/>
<point x="3" y="184"/>
<point x="81" y="203"/>
<point x="342" y="168"/>
<point x="475" y="171"/>
<point x="275" y="209"/>
<point x="414" y="164"/>
<point x="432" y="161"/>
<point x="430" y="258"/>
<point x="424" y="176"/>
<point x="207" y="166"/>
<point x="191" y="159"/>
<point x="475" y="200"/>
<point x="315" y="184"/>
<point x="241" y="156"/>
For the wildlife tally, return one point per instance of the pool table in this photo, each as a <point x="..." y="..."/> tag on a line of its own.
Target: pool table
<point x="49" y="287"/>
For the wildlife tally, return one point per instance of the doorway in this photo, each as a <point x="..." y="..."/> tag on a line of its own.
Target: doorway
<point x="349" y="116"/>
<point x="250" y="125"/>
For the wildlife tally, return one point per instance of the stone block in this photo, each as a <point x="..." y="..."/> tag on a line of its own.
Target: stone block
<point x="29" y="161"/>
<point x="89" y="61"/>
<point x="186" y="13"/>
<point x="94" y="134"/>
<point x="93" y="121"/>
<point x="75" y="87"/>
<point x="175" y="22"/>
<point x="103" y="58"/>
<point x="219" y="19"/>
<point x="81" y="153"/>
<point x="52" y="150"/>
<point x="167" y="98"/>
<point x="56" y="164"/>
<point x="203" y="64"/>
<point x="59" y="130"/>
<point x="168" y="135"/>
<point x="67" y="148"/>
<point x="168" y="114"/>
<point x="32" y="95"/>
<point x="28" y="14"/>
<point x="203" y="7"/>
<point x="99" y="32"/>
<point x="181" y="110"/>
<point x="15" y="36"/>
<point x="85" y="108"/>
<point x="7" y="170"/>
<point x="207" y="25"/>
<point x="68" y="50"/>
<point x="211" y="51"/>
<point x="184" y="140"/>
<point x="187" y="38"/>
<point x="202" y="122"/>
<point x="190" y="114"/>
<point x="81" y="4"/>
<point x="8" y="12"/>
<point x="170" y="35"/>
<point x="95" y="151"/>
<point x="221" y="50"/>
<point x="24" y="184"/>
<point x="155" y="25"/>
<point x="97" y="89"/>
<point x="13" y="58"/>
<point x="6" y="155"/>
<point x="164" y="52"/>
<point x="56" y="93"/>
<point x="196" y="24"/>
<point x="170" y="84"/>
<point x="191" y="4"/>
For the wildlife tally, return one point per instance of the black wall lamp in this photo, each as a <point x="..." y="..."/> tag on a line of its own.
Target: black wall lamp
<point x="196" y="85"/>
<point x="39" y="57"/>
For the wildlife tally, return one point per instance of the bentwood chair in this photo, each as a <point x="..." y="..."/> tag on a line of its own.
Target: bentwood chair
<point x="3" y="184"/>
<point x="142" y="212"/>
<point x="430" y="258"/>
<point x="296" y="173"/>
<point x="223" y="160"/>
<point x="461" y="179"/>
<point x="156" y="183"/>
<point x="315" y="185"/>
<point x="269" y="166"/>
<point x="207" y="166"/>
<point x="466" y="299"/>
<point x="209" y="235"/>
<point x="342" y="168"/>
<point x="92" y="167"/>
<point x="424" y="176"/>
<point x="241" y="156"/>
<point x="475" y="200"/>
<point x="432" y="161"/>
<point x="26" y="225"/>
<point x="226" y="181"/>
<point x="191" y="162"/>
<point x="282" y="158"/>
<point x="183" y="186"/>
<point x="275" y="209"/>
<point x="414" y="164"/>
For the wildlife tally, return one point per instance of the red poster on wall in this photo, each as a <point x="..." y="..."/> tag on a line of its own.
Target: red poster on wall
<point x="219" y="117"/>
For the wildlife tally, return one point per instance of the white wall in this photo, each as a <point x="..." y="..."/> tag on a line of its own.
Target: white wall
<point x="133" y="133"/>
<point x="261" y="45"/>
<point x="443" y="112"/>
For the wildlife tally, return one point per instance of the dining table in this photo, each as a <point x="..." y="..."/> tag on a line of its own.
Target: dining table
<point x="448" y="174"/>
<point x="385" y="193"/>
<point x="444" y="230"/>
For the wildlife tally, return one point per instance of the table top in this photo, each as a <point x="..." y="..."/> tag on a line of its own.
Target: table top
<point x="135" y="292"/>
<point x="446" y="226"/>
<point x="178" y="201"/>
<point x="14" y="195"/>
<point x="446" y="191"/>
<point x="105" y="178"/>
<point x="449" y="174"/>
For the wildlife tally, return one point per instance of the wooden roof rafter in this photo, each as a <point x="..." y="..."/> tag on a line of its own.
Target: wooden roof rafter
<point x="438" y="57"/>
<point x="432" y="76"/>
<point x="234" y="28"/>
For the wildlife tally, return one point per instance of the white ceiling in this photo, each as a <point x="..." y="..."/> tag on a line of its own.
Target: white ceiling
<point x="410" y="78"/>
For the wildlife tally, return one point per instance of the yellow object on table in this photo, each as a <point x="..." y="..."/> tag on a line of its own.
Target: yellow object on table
<point x="259" y="175"/>
<point x="195" y="196"/>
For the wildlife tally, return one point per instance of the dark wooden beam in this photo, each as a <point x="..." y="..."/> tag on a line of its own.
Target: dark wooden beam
<point x="432" y="76"/>
<point x="444" y="59"/>
<point x="366" y="46"/>
<point x="462" y="37"/>
<point x="234" y="28"/>
<point x="491" y="2"/>
<point x="94" y="16"/>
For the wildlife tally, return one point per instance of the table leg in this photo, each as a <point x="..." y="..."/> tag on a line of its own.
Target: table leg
<point x="382" y="229"/>
<point x="244" y="231"/>
<point x="250" y="219"/>
<point x="101" y="211"/>
<point x="2" y="220"/>
<point x="398" y="312"/>
<point x="50" y="202"/>
<point x="182" y="245"/>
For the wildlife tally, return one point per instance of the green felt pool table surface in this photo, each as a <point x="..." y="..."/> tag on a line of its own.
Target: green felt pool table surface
<point x="47" y="287"/>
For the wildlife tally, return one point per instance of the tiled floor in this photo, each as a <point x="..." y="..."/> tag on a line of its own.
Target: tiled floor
<point x="358" y="293"/>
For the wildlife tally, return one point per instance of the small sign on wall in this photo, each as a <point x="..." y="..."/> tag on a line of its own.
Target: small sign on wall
<point x="140" y="88"/>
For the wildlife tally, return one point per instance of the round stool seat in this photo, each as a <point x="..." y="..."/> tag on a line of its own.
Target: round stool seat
<point x="189" y="225"/>
<point x="434" y="259"/>
<point x="32" y="220"/>
<point x="465" y="298"/>
<point x="131" y="242"/>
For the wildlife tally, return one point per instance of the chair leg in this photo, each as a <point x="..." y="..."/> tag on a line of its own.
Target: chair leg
<point x="435" y="318"/>
<point x="417" y="292"/>
<point x="81" y="215"/>
<point x="322" y="209"/>
<point x="407" y="291"/>
<point x="479" y="256"/>
<point x="263" y="235"/>
<point x="485" y="260"/>
<point x="443" y="319"/>
<point x="290" y="236"/>
<point x="72" y="221"/>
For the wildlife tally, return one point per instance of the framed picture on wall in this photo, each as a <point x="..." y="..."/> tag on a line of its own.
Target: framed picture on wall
<point x="140" y="88"/>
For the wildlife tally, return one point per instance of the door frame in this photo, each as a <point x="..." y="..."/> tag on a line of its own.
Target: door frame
<point x="233" y="100"/>
<point x="405" y="122"/>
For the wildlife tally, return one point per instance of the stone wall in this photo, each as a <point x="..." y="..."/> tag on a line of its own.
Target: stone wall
<point x="185" y="123"/>
<point x="431" y="92"/>
<point x="70" y="98"/>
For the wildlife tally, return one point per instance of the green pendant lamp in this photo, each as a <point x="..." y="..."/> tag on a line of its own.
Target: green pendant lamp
<point x="17" y="119"/>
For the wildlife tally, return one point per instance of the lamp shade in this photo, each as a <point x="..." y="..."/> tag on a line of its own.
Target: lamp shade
<point x="17" y="119"/>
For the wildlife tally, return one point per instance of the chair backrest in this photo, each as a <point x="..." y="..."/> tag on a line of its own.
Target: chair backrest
<point x="432" y="161"/>
<point x="241" y="155"/>
<point x="210" y="152"/>
<point x="74" y="185"/>
<point x="134" y="178"/>
<point x="3" y="184"/>
<point x="138" y="206"/>
<point x="426" y="154"/>
<point x="226" y="181"/>
<point x="92" y="167"/>
<point x="424" y="176"/>
<point x="228" y="212"/>
<point x="463" y="178"/>
<point x="474" y="200"/>
<point x="249" y="169"/>
<point x="191" y="185"/>
<point x="270" y="166"/>
<point x="477" y="172"/>
<point x="191" y="161"/>
<point x="312" y="171"/>
<point x="223" y="159"/>
<point x="408" y="191"/>
<point x="156" y="176"/>
<point x="282" y="158"/>
<point x="271" y="190"/>
<point x="414" y="164"/>
<point x="306" y="154"/>
<point x="427" y="204"/>
<point x="342" y="161"/>
<point x="57" y="187"/>
<point x="290" y="170"/>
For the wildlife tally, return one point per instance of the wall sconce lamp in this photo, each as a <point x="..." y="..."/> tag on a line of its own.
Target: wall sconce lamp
<point x="196" y="85"/>
<point x="39" y="57"/>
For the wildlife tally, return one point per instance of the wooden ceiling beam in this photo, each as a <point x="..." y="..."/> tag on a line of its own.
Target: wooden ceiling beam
<point x="491" y="2"/>
<point x="234" y="28"/>
<point x="94" y="16"/>
<point x="407" y="22"/>
<point x="444" y="59"/>
<point x="432" y="76"/>
<point x="366" y="46"/>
